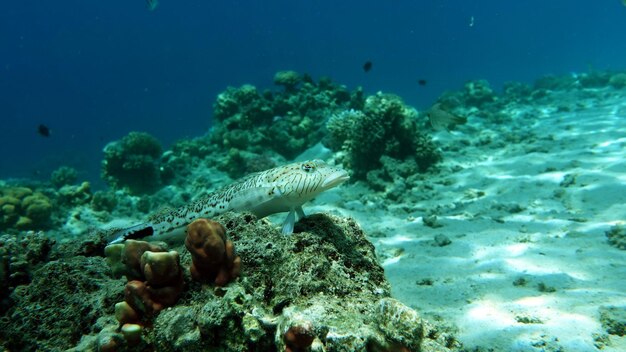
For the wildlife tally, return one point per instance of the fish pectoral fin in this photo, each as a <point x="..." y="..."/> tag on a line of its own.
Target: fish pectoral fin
<point x="300" y="213"/>
<point x="251" y="198"/>
<point x="289" y="222"/>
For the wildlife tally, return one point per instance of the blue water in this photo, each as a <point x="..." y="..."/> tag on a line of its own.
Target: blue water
<point x="93" y="71"/>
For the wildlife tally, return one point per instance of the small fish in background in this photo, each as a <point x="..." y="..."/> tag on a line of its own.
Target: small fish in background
<point x="43" y="130"/>
<point x="367" y="66"/>
<point x="422" y="82"/>
<point x="441" y="119"/>
<point x="152" y="4"/>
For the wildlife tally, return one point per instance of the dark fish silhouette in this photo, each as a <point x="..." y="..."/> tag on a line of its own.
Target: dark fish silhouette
<point x="367" y="66"/>
<point x="152" y="4"/>
<point x="421" y="82"/>
<point x="43" y="130"/>
<point x="441" y="119"/>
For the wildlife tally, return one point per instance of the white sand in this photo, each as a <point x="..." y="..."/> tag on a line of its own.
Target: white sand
<point x="526" y="225"/>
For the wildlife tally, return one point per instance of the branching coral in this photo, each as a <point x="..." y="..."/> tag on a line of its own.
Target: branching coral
<point x="133" y="163"/>
<point x="385" y="127"/>
<point x="284" y="122"/>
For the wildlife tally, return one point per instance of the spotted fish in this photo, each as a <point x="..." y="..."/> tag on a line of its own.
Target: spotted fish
<point x="281" y="189"/>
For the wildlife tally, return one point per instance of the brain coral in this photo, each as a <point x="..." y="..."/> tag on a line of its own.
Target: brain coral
<point x="133" y="163"/>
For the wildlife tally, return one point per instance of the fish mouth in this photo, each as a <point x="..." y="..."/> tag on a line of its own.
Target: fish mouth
<point x="336" y="178"/>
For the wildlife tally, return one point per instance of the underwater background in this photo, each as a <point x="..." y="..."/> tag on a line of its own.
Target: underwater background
<point x="403" y="176"/>
<point x="93" y="71"/>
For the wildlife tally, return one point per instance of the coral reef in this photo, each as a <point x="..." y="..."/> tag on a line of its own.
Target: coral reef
<point x="133" y="163"/>
<point x="319" y="289"/>
<point x="213" y="255"/>
<point x="284" y="123"/>
<point x="124" y="259"/>
<point x="385" y="127"/>
<point x="287" y="79"/>
<point x="103" y="201"/>
<point x="64" y="175"/>
<point x="72" y="195"/>
<point x="63" y="301"/>
<point x="18" y="258"/>
<point x="23" y="209"/>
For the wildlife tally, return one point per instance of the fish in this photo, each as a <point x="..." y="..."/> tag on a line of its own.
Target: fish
<point x="367" y="66"/>
<point x="441" y="119"/>
<point x="421" y="82"/>
<point x="282" y="189"/>
<point x="152" y="4"/>
<point x="43" y="130"/>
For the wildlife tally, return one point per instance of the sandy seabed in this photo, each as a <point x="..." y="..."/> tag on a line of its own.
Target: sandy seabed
<point x="525" y="205"/>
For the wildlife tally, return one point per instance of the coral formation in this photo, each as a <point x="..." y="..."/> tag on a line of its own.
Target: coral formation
<point x="124" y="259"/>
<point x="18" y="258"/>
<point x="103" y="201"/>
<point x="133" y="163"/>
<point x="23" y="209"/>
<point x="63" y="301"/>
<point x="616" y="236"/>
<point x="287" y="79"/>
<point x="64" y="175"/>
<point x="155" y="282"/>
<point x="613" y="320"/>
<point x="284" y="123"/>
<point x="162" y="286"/>
<point x="384" y="127"/>
<point x="73" y="195"/>
<point x="154" y="274"/>
<point x="319" y="289"/>
<point x="213" y="255"/>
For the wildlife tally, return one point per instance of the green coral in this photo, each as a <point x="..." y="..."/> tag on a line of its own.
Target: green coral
<point x="385" y="127"/>
<point x="287" y="79"/>
<point x="285" y="123"/>
<point x="618" y="80"/>
<point x="64" y="175"/>
<point x="23" y="209"/>
<point x="133" y="163"/>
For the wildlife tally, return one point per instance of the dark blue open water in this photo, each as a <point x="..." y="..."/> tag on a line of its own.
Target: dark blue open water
<point x="93" y="71"/>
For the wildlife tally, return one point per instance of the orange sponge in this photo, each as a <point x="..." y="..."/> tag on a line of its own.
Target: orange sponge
<point x="213" y="255"/>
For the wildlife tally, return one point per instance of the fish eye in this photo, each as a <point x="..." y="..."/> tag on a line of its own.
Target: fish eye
<point x="308" y="167"/>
